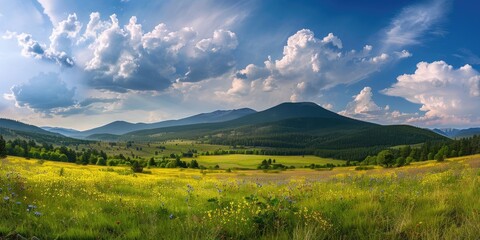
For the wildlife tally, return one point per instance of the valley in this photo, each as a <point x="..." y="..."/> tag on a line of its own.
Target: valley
<point x="294" y="171"/>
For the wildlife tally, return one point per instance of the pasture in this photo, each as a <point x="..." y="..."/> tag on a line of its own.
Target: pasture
<point x="147" y="150"/>
<point x="252" y="161"/>
<point x="53" y="200"/>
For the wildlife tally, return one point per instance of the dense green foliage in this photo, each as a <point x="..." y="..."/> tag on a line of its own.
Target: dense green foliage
<point x="3" y="150"/>
<point x="429" y="151"/>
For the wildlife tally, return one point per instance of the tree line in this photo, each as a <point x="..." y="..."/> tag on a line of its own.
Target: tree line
<point x="428" y="151"/>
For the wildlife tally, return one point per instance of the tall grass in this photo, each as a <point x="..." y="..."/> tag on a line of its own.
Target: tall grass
<point x="67" y="201"/>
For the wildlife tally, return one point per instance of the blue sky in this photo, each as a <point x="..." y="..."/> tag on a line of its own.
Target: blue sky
<point x="81" y="64"/>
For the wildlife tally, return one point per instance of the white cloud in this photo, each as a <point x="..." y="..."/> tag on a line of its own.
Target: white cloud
<point x="63" y="34"/>
<point x="403" y="54"/>
<point x="380" y="58"/>
<point x="61" y="42"/>
<point x="364" y="108"/>
<point x="122" y="58"/>
<point x="447" y="95"/>
<point x="328" y="106"/>
<point x="127" y="58"/>
<point x="308" y="66"/>
<point x="222" y="40"/>
<point x="363" y="103"/>
<point x="412" y="23"/>
<point x="330" y="38"/>
<point x="9" y="35"/>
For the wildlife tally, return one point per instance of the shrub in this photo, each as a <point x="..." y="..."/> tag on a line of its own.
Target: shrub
<point x="136" y="167"/>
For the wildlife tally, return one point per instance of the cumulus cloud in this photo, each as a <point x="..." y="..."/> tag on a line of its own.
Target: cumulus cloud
<point x="61" y="42"/>
<point x="413" y="23"/>
<point x="362" y="103"/>
<point x="363" y="107"/>
<point x="42" y="93"/>
<point x="122" y="58"/>
<point x="447" y="95"/>
<point x="309" y="65"/>
<point x="126" y="58"/>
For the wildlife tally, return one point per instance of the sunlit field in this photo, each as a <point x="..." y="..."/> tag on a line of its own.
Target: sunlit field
<point x="252" y="161"/>
<point x="53" y="200"/>
<point x="147" y="150"/>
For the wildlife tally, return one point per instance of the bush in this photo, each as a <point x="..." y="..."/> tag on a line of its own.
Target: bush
<point x="101" y="161"/>
<point x="136" y="167"/>
<point x="400" y="162"/>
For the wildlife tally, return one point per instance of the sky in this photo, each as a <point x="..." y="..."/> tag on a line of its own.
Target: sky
<point x="82" y="64"/>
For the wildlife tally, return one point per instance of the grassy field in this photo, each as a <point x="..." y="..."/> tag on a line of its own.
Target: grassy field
<point x="252" y="161"/>
<point x="147" y="150"/>
<point x="52" y="200"/>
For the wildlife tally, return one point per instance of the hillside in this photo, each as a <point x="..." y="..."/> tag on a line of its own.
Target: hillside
<point x="19" y="126"/>
<point x="63" y="131"/>
<point x="11" y="129"/>
<point x="301" y="126"/>
<point x="122" y="127"/>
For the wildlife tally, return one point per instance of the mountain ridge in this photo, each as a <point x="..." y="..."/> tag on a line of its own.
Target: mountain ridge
<point x="120" y="127"/>
<point x="457" y="133"/>
<point x="293" y="125"/>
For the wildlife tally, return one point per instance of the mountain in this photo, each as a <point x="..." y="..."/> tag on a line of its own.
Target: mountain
<point x="63" y="131"/>
<point x="122" y="127"/>
<point x="11" y="129"/>
<point x="470" y="132"/>
<point x="457" y="133"/>
<point x="304" y="126"/>
<point x="19" y="126"/>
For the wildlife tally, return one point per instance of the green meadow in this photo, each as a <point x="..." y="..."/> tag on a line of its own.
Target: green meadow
<point x="54" y="200"/>
<point x="252" y="161"/>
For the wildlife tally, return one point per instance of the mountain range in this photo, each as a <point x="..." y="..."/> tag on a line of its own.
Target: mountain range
<point x="293" y="127"/>
<point x="305" y="118"/>
<point x="457" y="133"/>
<point x="122" y="127"/>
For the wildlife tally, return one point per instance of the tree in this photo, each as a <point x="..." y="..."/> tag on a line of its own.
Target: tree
<point x="370" y="160"/>
<point x="136" y="167"/>
<point x="442" y="154"/>
<point x="101" y="161"/>
<point x="194" y="164"/>
<point x="385" y="158"/>
<point x="400" y="161"/>
<point x="409" y="160"/>
<point x="151" y="162"/>
<point x="3" y="150"/>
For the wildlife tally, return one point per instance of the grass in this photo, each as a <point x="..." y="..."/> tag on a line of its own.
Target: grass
<point x="427" y="200"/>
<point x="147" y="150"/>
<point x="252" y="161"/>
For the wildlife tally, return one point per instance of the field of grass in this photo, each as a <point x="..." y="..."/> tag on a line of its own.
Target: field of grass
<point x="252" y="161"/>
<point x="147" y="150"/>
<point x="52" y="200"/>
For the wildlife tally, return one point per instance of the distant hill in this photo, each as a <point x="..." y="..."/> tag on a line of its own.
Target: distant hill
<point x="63" y="131"/>
<point x="11" y="129"/>
<point x="303" y="126"/>
<point x="19" y="126"/>
<point x="457" y="133"/>
<point x="122" y="127"/>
